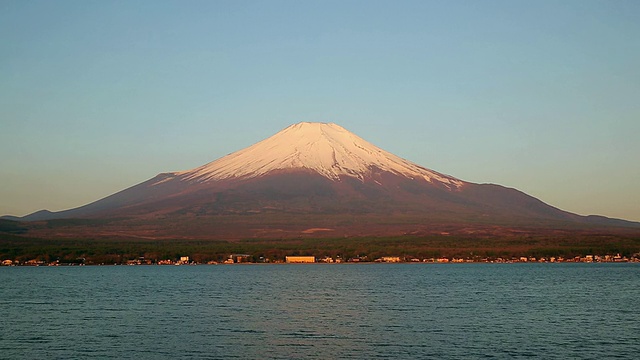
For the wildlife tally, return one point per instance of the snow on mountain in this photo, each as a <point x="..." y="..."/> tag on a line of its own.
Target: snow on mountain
<point x="325" y="148"/>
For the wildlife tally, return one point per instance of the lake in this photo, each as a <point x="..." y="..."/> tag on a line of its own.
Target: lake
<point x="363" y="311"/>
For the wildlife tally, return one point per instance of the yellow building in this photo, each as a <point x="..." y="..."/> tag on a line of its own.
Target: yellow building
<point x="300" y="259"/>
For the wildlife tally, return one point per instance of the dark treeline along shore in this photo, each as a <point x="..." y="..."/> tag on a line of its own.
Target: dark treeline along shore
<point x="20" y="248"/>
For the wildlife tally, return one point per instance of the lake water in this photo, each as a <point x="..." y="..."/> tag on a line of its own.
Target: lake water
<point x="321" y="311"/>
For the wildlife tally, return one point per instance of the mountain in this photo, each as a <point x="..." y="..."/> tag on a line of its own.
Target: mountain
<point x="315" y="178"/>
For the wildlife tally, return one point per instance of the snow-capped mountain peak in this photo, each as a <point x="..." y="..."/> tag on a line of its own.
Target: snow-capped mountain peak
<point x="325" y="148"/>
<point x="307" y="172"/>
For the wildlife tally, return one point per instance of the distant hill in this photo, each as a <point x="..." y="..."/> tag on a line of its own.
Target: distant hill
<point x="11" y="227"/>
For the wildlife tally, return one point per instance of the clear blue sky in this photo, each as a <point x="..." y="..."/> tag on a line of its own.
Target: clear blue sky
<point x="542" y="96"/>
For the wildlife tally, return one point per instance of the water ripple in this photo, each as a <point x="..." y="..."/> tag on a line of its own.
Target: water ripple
<point x="321" y="311"/>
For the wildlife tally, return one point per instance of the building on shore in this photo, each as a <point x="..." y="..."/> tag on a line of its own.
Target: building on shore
<point x="300" y="259"/>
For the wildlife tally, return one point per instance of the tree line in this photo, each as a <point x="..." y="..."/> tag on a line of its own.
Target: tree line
<point x="20" y="248"/>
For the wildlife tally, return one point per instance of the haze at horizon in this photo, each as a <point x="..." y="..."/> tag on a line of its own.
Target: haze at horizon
<point x="543" y="97"/>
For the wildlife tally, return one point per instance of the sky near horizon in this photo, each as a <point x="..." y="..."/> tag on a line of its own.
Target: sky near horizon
<point x="542" y="96"/>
